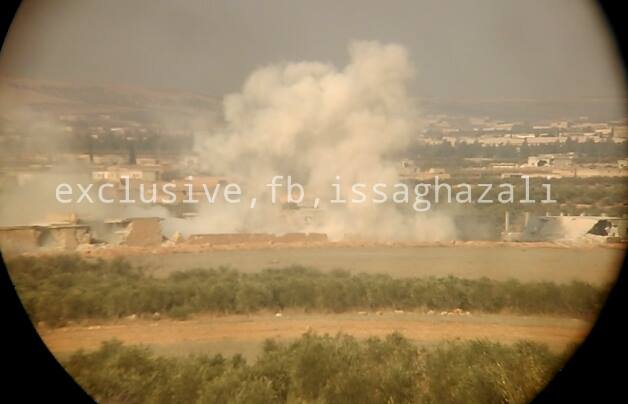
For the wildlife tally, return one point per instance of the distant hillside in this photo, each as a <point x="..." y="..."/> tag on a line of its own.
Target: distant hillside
<point x="597" y="109"/>
<point x="60" y="98"/>
<point x="81" y="98"/>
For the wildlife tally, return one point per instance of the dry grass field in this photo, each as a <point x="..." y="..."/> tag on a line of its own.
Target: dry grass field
<point x="500" y="262"/>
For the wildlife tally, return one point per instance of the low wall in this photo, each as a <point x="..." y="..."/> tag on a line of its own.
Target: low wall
<point x="19" y="239"/>
<point x="230" y="238"/>
<point x="245" y="238"/>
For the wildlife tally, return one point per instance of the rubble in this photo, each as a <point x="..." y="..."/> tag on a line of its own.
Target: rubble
<point x="137" y="231"/>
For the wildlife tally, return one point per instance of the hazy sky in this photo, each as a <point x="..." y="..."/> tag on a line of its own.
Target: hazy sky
<point x="470" y="49"/>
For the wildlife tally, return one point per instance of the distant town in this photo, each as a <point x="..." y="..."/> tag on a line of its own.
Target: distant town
<point x="585" y="158"/>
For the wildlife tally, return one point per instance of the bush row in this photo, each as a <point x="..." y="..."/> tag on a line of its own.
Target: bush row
<point x="62" y="288"/>
<point x="322" y="369"/>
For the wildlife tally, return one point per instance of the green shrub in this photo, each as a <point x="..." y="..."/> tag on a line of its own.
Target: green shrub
<point x="322" y="369"/>
<point x="60" y="289"/>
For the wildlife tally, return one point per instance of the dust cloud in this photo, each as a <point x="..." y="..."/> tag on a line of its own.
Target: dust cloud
<point x="315" y="122"/>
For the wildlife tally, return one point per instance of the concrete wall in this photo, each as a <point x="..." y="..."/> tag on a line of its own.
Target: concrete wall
<point x="69" y="238"/>
<point x="19" y="239"/>
<point x="143" y="232"/>
<point x="230" y="238"/>
<point x="301" y="237"/>
<point x="243" y="238"/>
<point x="29" y="238"/>
<point x="317" y="237"/>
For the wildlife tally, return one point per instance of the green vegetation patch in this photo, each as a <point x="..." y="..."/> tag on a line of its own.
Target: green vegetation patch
<point x="58" y="289"/>
<point x="322" y="369"/>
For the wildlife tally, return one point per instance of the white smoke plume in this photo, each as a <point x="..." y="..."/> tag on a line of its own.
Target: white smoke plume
<point x="314" y="122"/>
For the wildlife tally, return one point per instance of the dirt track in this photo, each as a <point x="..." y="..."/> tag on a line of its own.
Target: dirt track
<point x="244" y="333"/>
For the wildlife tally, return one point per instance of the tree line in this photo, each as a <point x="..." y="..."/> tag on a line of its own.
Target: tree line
<point x="58" y="289"/>
<point x="588" y="151"/>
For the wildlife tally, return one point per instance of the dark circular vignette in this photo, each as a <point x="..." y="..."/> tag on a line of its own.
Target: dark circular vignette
<point x="33" y="374"/>
<point x="591" y="374"/>
<point x="30" y="371"/>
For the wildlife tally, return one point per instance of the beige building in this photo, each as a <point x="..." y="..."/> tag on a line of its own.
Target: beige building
<point x="117" y="173"/>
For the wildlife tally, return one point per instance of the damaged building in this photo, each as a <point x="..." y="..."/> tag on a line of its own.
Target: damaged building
<point x="552" y="160"/>
<point x="138" y="231"/>
<point x="570" y="228"/>
<point x="117" y="173"/>
<point x="54" y="236"/>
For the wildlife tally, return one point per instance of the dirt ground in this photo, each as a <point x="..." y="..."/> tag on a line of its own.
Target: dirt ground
<point x="244" y="334"/>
